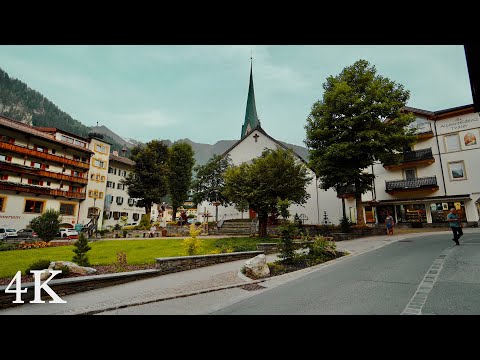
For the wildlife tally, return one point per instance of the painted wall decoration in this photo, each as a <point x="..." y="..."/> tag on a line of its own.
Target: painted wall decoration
<point x="470" y="139"/>
<point x="457" y="170"/>
<point x="461" y="123"/>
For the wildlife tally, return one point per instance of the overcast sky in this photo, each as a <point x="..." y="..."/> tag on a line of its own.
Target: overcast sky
<point x="200" y="92"/>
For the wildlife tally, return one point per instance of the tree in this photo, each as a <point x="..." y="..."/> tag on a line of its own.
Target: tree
<point x="148" y="180"/>
<point x="180" y="165"/>
<point x="275" y="175"/>
<point x="210" y="183"/>
<point x="46" y="225"/>
<point x="81" y="248"/>
<point x="358" y="122"/>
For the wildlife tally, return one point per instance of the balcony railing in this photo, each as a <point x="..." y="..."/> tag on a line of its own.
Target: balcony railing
<point x="17" y="168"/>
<point x="417" y="156"/>
<point x="346" y="191"/>
<point x="39" y="190"/>
<point x="425" y="183"/>
<point x="19" y="149"/>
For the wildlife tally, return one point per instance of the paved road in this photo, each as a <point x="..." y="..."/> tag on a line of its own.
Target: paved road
<point x="417" y="275"/>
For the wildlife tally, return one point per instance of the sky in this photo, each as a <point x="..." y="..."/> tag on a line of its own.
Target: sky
<point x="200" y="91"/>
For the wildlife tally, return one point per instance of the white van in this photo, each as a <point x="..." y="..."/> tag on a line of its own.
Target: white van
<point x="7" y="232"/>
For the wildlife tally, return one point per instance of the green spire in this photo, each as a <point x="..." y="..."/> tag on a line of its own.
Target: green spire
<point x="251" y="117"/>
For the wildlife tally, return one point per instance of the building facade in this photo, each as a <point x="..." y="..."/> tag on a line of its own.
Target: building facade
<point x="40" y="169"/>
<point x="119" y="208"/>
<point x="440" y="172"/>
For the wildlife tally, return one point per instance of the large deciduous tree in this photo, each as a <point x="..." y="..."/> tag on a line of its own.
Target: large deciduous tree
<point x="275" y="175"/>
<point x="148" y="181"/>
<point x="180" y="163"/>
<point x="210" y="183"/>
<point x="358" y="122"/>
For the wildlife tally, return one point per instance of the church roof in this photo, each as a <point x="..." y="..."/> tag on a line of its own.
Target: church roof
<point x="251" y="117"/>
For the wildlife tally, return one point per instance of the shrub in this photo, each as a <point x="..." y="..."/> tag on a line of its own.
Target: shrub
<point x="192" y="244"/>
<point x="276" y="268"/>
<point x="191" y="216"/>
<point x="144" y="223"/>
<point x="121" y="264"/>
<point x="283" y="206"/>
<point x="323" y="249"/>
<point x="131" y="227"/>
<point x="287" y="232"/>
<point x="198" y="223"/>
<point x="81" y="248"/>
<point x="6" y="247"/>
<point x="38" y="265"/>
<point x="34" y="245"/>
<point x="117" y="227"/>
<point x="346" y="225"/>
<point x="172" y="223"/>
<point x="47" y="224"/>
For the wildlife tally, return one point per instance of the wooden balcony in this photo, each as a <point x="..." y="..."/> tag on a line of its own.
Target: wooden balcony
<point x="39" y="190"/>
<point x="346" y="191"/>
<point x="22" y="169"/>
<point x="23" y="150"/>
<point x="412" y="158"/>
<point x="419" y="184"/>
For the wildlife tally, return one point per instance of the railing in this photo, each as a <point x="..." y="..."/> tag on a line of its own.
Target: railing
<point x="39" y="190"/>
<point x="419" y="183"/>
<point x="41" y="155"/>
<point x="411" y="156"/>
<point x="18" y="168"/>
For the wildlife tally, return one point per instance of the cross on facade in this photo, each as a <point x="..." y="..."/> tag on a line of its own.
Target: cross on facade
<point x="256" y="137"/>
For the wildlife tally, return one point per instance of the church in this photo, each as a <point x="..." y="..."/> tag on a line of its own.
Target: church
<point x="322" y="205"/>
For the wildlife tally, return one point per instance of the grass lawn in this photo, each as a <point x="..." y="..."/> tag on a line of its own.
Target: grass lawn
<point x="105" y="252"/>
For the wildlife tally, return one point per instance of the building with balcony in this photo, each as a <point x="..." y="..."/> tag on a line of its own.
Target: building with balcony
<point x="41" y="168"/>
<point x="441" y="171"/>
<point x="119" y="208"/>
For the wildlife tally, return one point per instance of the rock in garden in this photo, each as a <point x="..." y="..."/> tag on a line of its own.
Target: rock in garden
<point x="74" y="268"/>
<point x="45" y="274"/>
<point x="257" y="267"/>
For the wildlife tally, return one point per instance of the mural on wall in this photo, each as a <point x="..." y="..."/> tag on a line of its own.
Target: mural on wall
<point x="470" y="139"/>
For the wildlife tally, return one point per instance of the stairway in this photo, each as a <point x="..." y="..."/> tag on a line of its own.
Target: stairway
<point x="233" y="227"/>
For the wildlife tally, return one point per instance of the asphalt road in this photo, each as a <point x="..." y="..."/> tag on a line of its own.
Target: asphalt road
<point x="422" y="275"/>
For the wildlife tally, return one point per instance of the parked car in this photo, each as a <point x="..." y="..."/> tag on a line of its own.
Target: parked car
<point x="7" y="233"/>
<point x="27" y="233"/>
<point x="192" y="221"/>
<point x="67" y="233"/>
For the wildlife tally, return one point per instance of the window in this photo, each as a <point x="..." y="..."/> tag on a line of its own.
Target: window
<point x="131" y="201"/>
<point x="77" y="173"/>
<point x="67" y="209"/>
<point x="102" y="178"/>
<point x="33" y="206"/>
<point x="54" y="151"/>
<point x="3" y="200"/>
<point x="452" y="143"/>
<point x="110" y="170"/>
<point x="92" y="176"/>
<point x="93" y="211"/>
<point x="441" y="210"/>
<point x="49" y="183"/>
<point x="100" y="195"/>
<point x="35" y="182"/>
<point x="40" y="148"/>
<point x="109" y="184"/>
<point x="124" y="173"/>
<point x="124" y="214"/>
<point x="76" y="157"/>
<point x="120" y="186"/>
<point x="67" y="139"/>
<point x="101" y="148"/>
<point x="36" y="165"/>
<point x="5" y="158"/>
<point x="119" y="200"/>
<point x="80" y="143"/>
<point x="410" y="174"/>
<point x="90" y="193"/>
<point x="136" y="216"/>
<point x="97" y="177"/>
<point x="75" y="189"/>
<point x="99" y="163"/>
<point x="457" y="170"/>
<point x="116" y="215"/>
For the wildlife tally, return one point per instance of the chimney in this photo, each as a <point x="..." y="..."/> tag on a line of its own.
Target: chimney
<point x="124" y="150"/>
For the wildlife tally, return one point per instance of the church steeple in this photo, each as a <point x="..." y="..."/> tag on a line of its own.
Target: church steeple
<point x="251" y="117"/>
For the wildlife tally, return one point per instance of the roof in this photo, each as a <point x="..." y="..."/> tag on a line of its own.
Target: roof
<point x="54" y="130"/>
<point x="122" y="160"/>
<point x="251" y="117"/>
<point x="31" y="130"/>
<point x="442" y="114"/>
<point x="424" y="199"/>
<point x="418" y="111"/>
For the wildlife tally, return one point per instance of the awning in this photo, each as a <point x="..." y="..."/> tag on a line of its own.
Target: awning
<point x="423" y="200"/>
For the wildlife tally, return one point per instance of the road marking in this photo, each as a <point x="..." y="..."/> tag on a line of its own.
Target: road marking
<point x="415" y="306"/>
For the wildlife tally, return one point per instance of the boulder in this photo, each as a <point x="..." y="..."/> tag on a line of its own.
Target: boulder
<point x="74" y="268"/>
<point x="45" y="274"/>
<point x="257" y="267"/>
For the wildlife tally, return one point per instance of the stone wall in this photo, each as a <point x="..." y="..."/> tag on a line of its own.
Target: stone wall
<point x="181" y="263"/>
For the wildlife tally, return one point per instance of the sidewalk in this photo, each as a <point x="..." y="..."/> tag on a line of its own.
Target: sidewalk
<point x="187" y="283"/>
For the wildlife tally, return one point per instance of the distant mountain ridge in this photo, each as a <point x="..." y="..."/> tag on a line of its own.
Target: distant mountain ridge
<point x="20" y="102"/>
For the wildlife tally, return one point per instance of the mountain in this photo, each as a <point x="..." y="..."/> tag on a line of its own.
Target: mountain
<point x="19" y="102"/>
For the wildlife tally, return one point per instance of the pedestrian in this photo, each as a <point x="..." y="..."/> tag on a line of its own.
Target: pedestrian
<point x="389" y="222"/>
<point x="152" y="230"/>
<point x="455" y="225"/>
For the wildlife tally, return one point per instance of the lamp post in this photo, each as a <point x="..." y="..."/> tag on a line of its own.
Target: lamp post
<point x="216" y="203"/>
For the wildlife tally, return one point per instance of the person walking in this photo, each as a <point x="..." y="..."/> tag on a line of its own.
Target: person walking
<point x="455" y="225"/>
<point x="389" y="222"/>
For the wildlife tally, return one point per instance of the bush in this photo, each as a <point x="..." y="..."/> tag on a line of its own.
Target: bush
<point x="34" y="245"/>
<point x="81" y="248"/>
<point x="198" y="223"/>
<point x="121" y="264"/>
<point x="117" y="227"/>
<point x="192" y="244"/>
<point x="276" y="269"/>
<point x="172" y="223"/>
<point x="103" y="232"/>
<point x="47" y="224"/>
<point x="6" y="247"/>
<point x="322" y="249"/>
<point x="131" y="227"/>
<point x="191" y="216"/>
<point x="38" y="265"/>
<point x="346" y="225"/>
<point x="287" y="232"/>
<point x="144" y="223"/>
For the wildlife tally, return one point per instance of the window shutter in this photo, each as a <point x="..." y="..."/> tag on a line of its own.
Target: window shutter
<point x="29" y="181"/>
<point x="40" y="183"/>
<point x="9" y="158"/>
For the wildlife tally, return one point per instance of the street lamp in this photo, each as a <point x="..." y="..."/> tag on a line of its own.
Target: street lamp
<point x="216" y="203"/>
